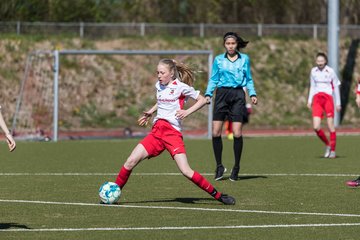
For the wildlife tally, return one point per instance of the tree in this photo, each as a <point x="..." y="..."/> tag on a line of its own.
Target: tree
<point x="178" y="11"/>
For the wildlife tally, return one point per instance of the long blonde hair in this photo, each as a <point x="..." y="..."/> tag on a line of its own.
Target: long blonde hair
<point x="181" y="71"/>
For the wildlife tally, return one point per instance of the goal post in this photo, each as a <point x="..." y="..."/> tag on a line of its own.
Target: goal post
<point x="56" y="68"/>
<point x="34" y="89"/>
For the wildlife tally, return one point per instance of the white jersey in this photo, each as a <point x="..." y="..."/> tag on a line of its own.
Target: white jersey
<point x="324" y="81"/>
<point x="171" y="98"/>
<point x="357" y="89"/>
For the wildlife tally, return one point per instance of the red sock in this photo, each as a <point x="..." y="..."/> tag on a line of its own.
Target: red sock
<point x="123" y="177"/>
<point x="332" y="141"/>
<point x="322" y="136"/>
<point x="204" y="184"/>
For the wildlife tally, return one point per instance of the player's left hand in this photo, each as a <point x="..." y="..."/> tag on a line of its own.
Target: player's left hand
<point x="338" y="108"/>
<point x="181" y="114"/>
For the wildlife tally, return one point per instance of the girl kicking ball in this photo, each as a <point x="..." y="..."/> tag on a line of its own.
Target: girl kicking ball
<point x="173" y="88"/>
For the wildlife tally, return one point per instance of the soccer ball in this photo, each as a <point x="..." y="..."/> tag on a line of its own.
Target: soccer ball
<point x="109" y="193"/>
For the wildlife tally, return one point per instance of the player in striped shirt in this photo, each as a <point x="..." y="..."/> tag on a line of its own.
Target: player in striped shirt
<point x="9" y="139"/>
<point x="324" y="87"/>
<point x="231" y="73"/>
<point x="173" y="88"/>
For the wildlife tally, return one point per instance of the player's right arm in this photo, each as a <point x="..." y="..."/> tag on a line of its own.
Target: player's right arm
<point x="311" y="91"/>
<point x="144" y="119"/>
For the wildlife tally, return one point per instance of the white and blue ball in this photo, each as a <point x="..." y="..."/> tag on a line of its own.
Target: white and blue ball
<point x="109" y="193"/>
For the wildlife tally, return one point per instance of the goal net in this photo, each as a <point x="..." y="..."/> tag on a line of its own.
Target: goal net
<point x="76" y="94"/>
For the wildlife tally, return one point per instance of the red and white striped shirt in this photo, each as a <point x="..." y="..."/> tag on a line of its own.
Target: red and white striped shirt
<point x="324" y="81"/>
<point x="171" y="98"/>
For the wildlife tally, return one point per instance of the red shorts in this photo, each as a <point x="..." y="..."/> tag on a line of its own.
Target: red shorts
<point x="323" y="102"/>
<point x="163" y="136"/>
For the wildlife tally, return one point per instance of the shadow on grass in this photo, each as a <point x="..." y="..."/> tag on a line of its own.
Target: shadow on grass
<point x="189" y="200"/>
<point x="324" y="158"/>
<point x="250" y="177"/>
<point x="245" y="177"/>
<point x="13" y="225"/>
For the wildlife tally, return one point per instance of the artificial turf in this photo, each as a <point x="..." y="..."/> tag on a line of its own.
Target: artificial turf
<point x="286" y="191"/>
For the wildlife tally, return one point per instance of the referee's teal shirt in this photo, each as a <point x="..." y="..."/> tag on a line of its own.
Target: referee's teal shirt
<point x="235" y="74"/>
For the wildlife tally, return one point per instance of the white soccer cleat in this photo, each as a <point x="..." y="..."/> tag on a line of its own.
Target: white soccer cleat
<point x="332" y="154"/>
<point x="327" y="152"/>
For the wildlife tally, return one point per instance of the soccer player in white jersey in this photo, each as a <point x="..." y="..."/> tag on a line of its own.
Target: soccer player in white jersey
<point x="172" y="90"/>
<point x="356" y="182"/>
<point x="324" y="89"/>
<point x="9" y="139"/>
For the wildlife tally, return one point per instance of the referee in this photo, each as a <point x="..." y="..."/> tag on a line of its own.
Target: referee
<point x="230" y="75"/>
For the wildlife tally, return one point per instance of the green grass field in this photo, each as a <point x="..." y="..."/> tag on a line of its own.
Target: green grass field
<point x="287" y="191"/>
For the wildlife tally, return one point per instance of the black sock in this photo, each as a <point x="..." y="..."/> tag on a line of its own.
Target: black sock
<point x="218" y="147"/>
<point x="238" y="146"/>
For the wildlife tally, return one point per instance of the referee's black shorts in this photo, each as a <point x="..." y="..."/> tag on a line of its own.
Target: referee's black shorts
<point x="230" y="104"/>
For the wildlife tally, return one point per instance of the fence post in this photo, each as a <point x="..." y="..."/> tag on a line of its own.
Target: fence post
<point x="202" y="30"/>
<point x="259" y="30"/>
<point x="18" y="27"/>
<point x="81" y="30"/>
<point x="315" y="31"/>
<point x="142" y="29"/>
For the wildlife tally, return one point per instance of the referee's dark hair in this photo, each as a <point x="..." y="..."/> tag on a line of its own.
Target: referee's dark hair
<point x="241" y="43"/>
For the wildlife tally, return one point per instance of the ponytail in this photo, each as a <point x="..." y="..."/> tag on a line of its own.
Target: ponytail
<point x="186" y="74"/>
<point x="181" y="71"/>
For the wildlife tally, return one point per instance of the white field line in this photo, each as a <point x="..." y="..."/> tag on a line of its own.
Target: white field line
<point x="182" y="208"/>
<point x="179" y="174"/>
<point x="183" y="228"/>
